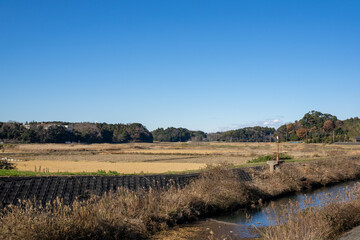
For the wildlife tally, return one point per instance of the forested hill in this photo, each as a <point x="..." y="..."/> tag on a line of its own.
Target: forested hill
<point x="172" y="134"/>
<point x="314" y="127"/>
<point x="317" y="127"/>
<point x="60" y="132"/>
<point x="249" y="134"/>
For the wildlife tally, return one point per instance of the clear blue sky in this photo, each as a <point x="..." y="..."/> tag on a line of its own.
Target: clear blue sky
<point x="204" y="65"/>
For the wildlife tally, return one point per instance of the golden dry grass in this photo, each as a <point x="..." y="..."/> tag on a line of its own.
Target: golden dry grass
<point x="207" y="148"/>
<point x="171" y="155"/>
<point x="120" y="167"/>
<point x="134" y="158"/>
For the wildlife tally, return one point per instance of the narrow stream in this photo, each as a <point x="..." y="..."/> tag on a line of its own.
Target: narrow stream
<point x="260" y="218"/>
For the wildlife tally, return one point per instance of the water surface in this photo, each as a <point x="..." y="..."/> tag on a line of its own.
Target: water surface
<point x="260" y="218"/>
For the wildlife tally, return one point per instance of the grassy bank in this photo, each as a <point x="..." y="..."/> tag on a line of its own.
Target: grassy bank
<point x="298" y="176"/>
<point x="137" y="215"/>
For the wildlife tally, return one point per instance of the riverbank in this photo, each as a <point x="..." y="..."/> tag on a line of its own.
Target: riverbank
<point x="328" y="217"/>
<point x="205" y="229"/>
<point x="138" y="215"/>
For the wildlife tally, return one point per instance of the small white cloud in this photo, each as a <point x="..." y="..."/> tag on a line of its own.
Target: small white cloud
<point x="274" y="123"/>
<point x="232" y="127"/>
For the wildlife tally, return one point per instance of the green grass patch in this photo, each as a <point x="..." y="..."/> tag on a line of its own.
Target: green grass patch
<point x="282" y="156"/>
<point x="227" y="146"/>
<point x="264" y="163"/>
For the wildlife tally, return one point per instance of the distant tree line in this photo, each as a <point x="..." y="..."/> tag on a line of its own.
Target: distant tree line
<point x="248" y="134"/>
<point x="317" y="127"/>
<point x="172" y="134"/>
<point x="60" y="132"/>
<point x="314" y="127"/>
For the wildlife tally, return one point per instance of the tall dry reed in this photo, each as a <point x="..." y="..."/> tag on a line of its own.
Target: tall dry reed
<point x="339" y="212"/>
<point x="300" y="176"/>
<point x="125" y="214"/>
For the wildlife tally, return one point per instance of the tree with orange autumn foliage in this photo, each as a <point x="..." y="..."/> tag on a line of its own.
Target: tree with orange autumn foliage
<point x="301" y="133"/>
<point x="328" y="125"/>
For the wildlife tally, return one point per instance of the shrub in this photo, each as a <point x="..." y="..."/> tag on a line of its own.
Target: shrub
<point x="5" y="164"/>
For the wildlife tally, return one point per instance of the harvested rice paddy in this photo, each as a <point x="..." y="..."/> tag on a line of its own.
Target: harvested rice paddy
<point x="156" y="157"/>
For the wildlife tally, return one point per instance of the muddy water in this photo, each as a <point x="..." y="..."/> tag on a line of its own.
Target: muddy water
<point x="260" y="217"/>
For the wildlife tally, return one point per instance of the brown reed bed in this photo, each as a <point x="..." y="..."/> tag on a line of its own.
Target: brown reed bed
<point x="339" y="213"/>
<point x="127" y="214"/>
<point x="300" y="176"/>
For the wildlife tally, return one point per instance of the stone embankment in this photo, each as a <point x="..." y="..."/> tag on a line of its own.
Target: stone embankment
<point x="69" y="188"/>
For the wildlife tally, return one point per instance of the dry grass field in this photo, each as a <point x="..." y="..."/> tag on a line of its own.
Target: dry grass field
<point x="120" y="167"/>
<point x="157" y="157"/>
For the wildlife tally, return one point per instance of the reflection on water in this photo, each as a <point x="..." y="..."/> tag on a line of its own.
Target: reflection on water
<point x="259" y="217"/>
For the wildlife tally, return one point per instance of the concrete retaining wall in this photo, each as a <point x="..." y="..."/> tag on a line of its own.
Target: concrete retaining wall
<point x="68" y="188"/>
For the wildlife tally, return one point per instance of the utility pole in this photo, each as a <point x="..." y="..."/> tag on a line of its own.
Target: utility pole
<point x="277" y="152"/>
